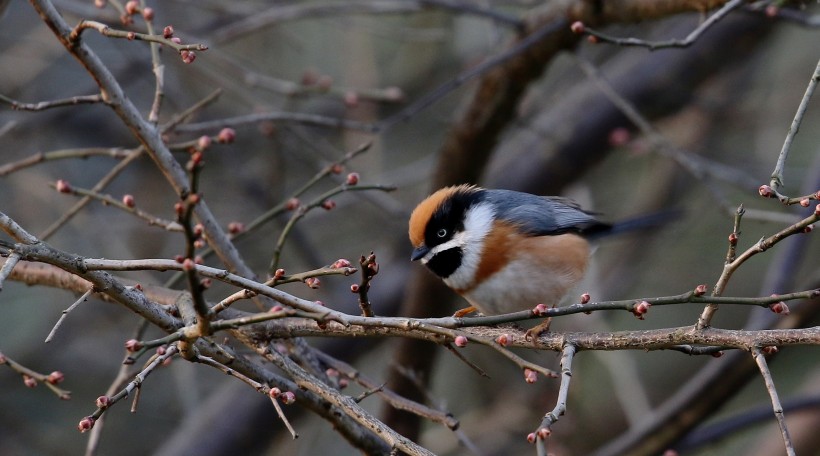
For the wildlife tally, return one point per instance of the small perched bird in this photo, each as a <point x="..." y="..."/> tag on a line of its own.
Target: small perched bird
<point x="502" y="250"/>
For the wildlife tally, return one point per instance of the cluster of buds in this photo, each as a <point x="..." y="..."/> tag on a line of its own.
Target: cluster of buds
<point x="640" y="309"/>
<point x="287" y="397"/>
<point x="132" y="7"/>
<point x="313" y="282"/>
<point x="541" y="433"/>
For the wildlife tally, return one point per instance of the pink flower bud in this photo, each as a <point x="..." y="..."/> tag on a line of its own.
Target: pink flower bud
<point x="543" y="433"/>
<point x="128" y="200"/>
<point x="585" y="298"/>
<point x="530" y="376"/>
<point x="313" y="282"/>
<point x="619" y="137"/>
<point x="203" y="142"/>
<point x="103" y="402"/>
<point x="55" y="377"/>
<point x="577" y="27"/>
<point x="131" y="36"/>
<point x="352" y="179"/>
<point x="226" y="136"/>
<point x="274" y="392"/>
<point x="779" y="308"/>
<point x="188" y="265"/>
<point x="292" y="204"/>
<point x="354" y="288"/>
<point x="340" y="263"/>
<point x="131" y="7"/>
<point x="168" y="31"/>
<point x="770" y="350"/>
<point x="460" y="341"/>
<point x="29" y="381"/>
<point x="86" y="424"/>
<point x="765" y="191"/>
<point x="336" y="168"/>
<point x="63" y="186"/>
<point x="148" y="14"/>
<point x="328" y="205"/>
<point x="540" y="310"/>
<point x="236" y="227"/>
<point x="279" y="273"/>
<point x="640" y="309"/>
<point x="351" y="99"/>
<point x="503" y="340"/>
<point x="288" y="397"/>
<point x="700" y="290"/>
<point x="132" y="345"/>
<point x="187" y="56"/>
<point x="531" y="437"/>
<point x="805" y="202"/>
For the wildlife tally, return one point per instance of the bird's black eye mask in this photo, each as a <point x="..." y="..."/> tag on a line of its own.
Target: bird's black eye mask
<point x="448" y="219"/>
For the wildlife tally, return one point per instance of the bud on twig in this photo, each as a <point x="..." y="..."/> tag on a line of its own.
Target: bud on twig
<point x="460" y="341"/>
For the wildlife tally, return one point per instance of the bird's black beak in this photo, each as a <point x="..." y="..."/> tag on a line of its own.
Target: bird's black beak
<point x="419" y="252"/>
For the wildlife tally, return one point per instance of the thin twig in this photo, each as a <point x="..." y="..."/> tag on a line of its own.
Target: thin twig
<point x="676" y="43"/>
<point x="40" y="157"/>
<point x="105" y="30"/>
<point x="108" y="200"/>
<point x="760" y="359"/>
<point x="777" y="174"/>
<point x="43" y="105"/>
<point x="65" y="313"/>
<point x="99" y="186"/>
<point x="5" y="271"/>
<point x="301" y="211"/>
<point x="764" y="244"/>
<point x="552" y="417"/>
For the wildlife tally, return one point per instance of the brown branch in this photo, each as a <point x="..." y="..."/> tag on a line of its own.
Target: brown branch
<point x="760" y="359"/>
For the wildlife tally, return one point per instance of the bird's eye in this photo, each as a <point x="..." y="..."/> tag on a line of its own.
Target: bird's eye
<point x="441" y="233"/>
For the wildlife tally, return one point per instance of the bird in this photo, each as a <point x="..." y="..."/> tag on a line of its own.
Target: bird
<point x="503" y="250"/>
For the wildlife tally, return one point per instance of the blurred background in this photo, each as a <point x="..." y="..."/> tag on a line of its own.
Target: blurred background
<point x="721" y="109"/>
